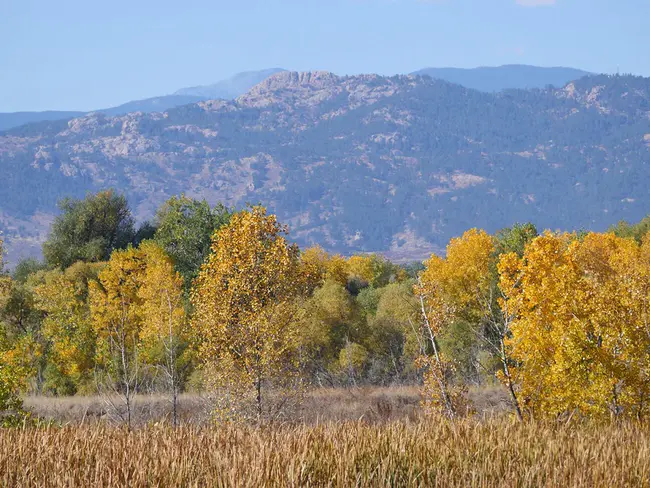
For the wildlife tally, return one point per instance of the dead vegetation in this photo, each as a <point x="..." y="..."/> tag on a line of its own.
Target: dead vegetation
<point x="497" y="452"/>
<point x="368" y="404"/>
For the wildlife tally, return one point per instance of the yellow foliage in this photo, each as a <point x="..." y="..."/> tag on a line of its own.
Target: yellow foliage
<point x="244" y="307"/>
<point x="161" y="292"/>
<point x="362" y="268"/>
<point x="62" y="295"/>
<point x="580" y="337"/>
<point x="462" y="279"/>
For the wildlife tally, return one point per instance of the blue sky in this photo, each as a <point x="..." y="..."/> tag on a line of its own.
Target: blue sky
<point x="88" y="54"/>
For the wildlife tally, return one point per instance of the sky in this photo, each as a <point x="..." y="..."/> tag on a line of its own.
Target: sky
<point x="85" y="55"/>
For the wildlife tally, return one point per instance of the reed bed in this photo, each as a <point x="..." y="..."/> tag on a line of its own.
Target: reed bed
<point x="466" y="453"/>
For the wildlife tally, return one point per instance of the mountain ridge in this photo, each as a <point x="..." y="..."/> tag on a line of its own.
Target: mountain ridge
<point x="356" y="163"/>
<point x="507" y="77"/>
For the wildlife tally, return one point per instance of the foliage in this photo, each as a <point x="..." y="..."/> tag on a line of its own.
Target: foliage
<point x="63" y="296"/>
<point x="164" y="335"/>
<point x="89" y="229"/>
<point x="245" y="312"/>
<point x="184" y="229"/>
<point x="636" y="231"/>
<point x="579" y="337"/>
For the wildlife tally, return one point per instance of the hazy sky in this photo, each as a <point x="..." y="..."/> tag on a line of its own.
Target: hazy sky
<point x="89" y="54"/>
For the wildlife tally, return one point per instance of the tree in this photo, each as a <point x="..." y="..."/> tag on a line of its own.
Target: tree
<point x="67" y="326"/>
<point x="89" y="230"/>
<point x="580" y="338"/>
<point x="116" y="313"/>
<point x="164" y="328"/>
<point x="184" y="230"/>
<point x="328" y="320"/>
<point x="439" y="394"/>
<point x="10" y="401"/>
<point x="244" y="302"/>
<point x="21" y="323"/>
<point x="26" y="268"/>
<point x="467" y="283"/>
<point x="635" y="231"/>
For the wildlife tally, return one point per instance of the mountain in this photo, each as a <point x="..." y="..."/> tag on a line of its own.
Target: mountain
<point x="356" y="163"/>
<point x="230" y="88"/>
<point x="15" y="119"/>
<point x="494" y="79"/>
<point x="226" y="89"/>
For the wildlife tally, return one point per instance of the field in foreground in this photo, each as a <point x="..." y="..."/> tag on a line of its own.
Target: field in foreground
<point x="467" y="453"/>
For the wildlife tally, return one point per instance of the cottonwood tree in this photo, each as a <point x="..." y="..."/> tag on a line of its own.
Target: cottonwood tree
<point x="440" y="395"/>
<point x="245" y="310"/>
<point x="580" y="338"/>
<point x="164" y="332"/>
<point x="67" y="325"/>
<point x="466" y="281"/>
<point x="116" y="312"/>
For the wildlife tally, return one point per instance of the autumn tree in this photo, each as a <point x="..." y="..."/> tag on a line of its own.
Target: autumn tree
<point x="10" y="401"/>
<point x="164" y="334"/>
<point x="245" y="310"/>
<point x="328" y="322"/>
<point x="184" y="229"/>
<point x="116" y="314"/>
<point x="580" y="337"/>
<point x="440" y="395"/>
<point x="67" y="326"/>
<point x="466" y="281"/>
<point x="89" y="229"/>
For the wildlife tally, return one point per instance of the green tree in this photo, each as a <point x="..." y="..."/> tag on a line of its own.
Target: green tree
<point x="89" y="229"/>
<point x="636" y="231"/>
<point x="184" y="230"/>
<point x="26" y="268"/>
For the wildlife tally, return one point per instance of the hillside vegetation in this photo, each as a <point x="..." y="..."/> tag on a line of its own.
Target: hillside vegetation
<point x="359" y="163"/>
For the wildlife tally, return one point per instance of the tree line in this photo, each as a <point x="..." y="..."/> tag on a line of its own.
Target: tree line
<point x="212" y="299"/>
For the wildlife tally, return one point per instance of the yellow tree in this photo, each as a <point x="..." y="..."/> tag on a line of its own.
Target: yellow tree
<point x="459" y="287"/>
<point x="10" y="377"/>
<point x="580" y="333"/>
<point x="164" y="327"/>
<point x="244" y="311"/>
<point x="439" y="393"/>
<point x="116" y="313"/>
<point x="465" y="282"/>
<point x="63" y="296"/>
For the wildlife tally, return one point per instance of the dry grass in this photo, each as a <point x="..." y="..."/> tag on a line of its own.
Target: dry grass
<point x="468" y="453"/>
<point x="370" y="404"/>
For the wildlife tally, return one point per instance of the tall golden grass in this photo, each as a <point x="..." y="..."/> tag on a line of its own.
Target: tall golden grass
<point x="466" y="453"/>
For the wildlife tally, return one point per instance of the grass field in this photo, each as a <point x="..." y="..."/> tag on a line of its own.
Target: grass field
<point x="371" y="404"/>
<point x="499" y="453"/>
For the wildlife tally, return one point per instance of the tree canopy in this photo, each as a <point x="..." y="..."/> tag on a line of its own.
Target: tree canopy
<point x="89" y="229"/>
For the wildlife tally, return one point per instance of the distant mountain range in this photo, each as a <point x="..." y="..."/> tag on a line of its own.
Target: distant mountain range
<point x="494" y="79"/>
<point x="227" y="89"/>
<point x="484" y="79"/>
<point x="358" y="163"/>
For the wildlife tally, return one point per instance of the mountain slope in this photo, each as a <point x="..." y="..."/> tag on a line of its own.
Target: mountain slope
<point x="360" y="163"/>
<point x="494" y="79"/>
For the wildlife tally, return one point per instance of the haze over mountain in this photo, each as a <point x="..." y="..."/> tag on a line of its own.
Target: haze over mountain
<point x="494" y="79"/>
<point x="490" y="79"/>
<point x="230" y="88"/>
<point x="227" y="89"/>
<point x="355" y="163"/>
